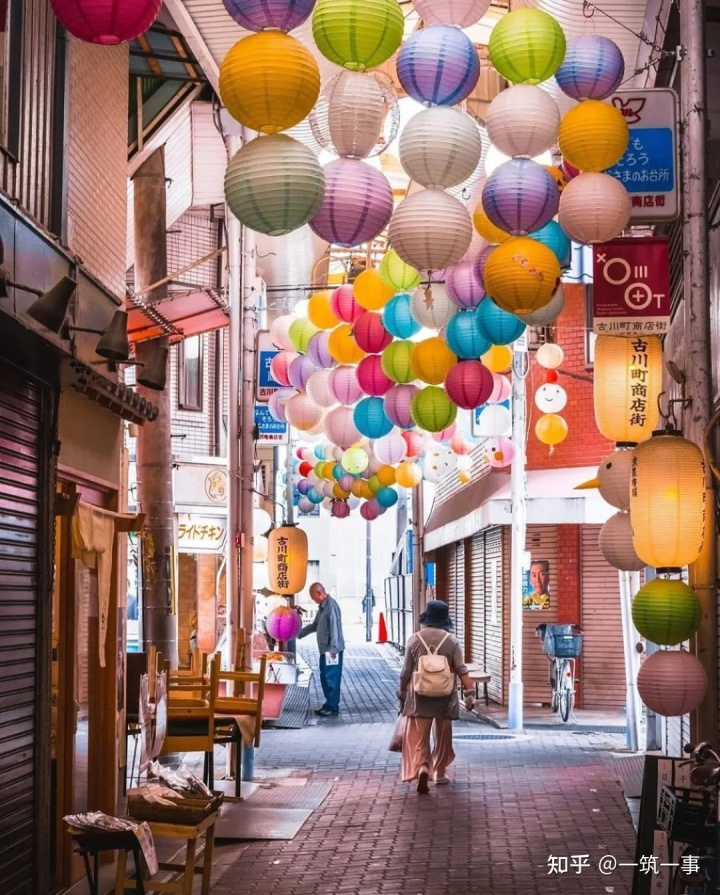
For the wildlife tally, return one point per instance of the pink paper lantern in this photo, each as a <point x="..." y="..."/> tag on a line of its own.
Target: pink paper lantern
<point x="346" y="481"/>
<point x="280" y="366"/>
<point x="464" y="286"/>
<point x="370" y="511"/>
<point x="570" y="171"/>
<point x="343" y="304"/>
<point x="344" y="385"/>
<point x="371" y="376"/>
<point x="340" y="509"/>
<point x="319" y="352"/>
<point x="300" y="370"/>
<point x="283" y="624"/>
<point x="445" y="434"/>
<point x="502" y="387"/>
<point x="370" y="333"/>
<point x="499" y="452"/>
<point x="469" y="384"/>
<point x="340" y="427"/>
<point x="398" y="402"/>
<point x="106" y="22"/>
<point x="672" y="682"/>
<point x="459" y="446"/>
<point x="415" y="443"/>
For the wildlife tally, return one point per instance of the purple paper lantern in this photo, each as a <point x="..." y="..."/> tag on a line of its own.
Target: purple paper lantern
<point x="438" y="66"/>
<point x="106" y="22"/>
<point x="303" y="486"/>
<point x="480" y="262"/>
<point x="520" y="196"/>
<point x="257" y="15"/>
<point x="593" y="68"/>
<point x="464" y="286"/>
<point x="398" y="402"/>
<point x="277" y="401"/>
<point x="283" y="624"/>
<point x="357" y="206"/>
<point x="301" y="369"/>
<point x="318" y="350"/>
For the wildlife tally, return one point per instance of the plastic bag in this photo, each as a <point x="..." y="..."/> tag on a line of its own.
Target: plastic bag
<point x="396" y="741"/>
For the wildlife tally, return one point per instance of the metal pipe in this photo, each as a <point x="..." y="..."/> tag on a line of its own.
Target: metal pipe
<point x="697" y="328"/>
<point x="368" y="583"/>
<point x="633" y="709"/>
<point x="518" y="502"/>
<point x="418" y="529"/>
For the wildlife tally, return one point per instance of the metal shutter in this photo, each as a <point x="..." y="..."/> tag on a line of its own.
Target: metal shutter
<point x="457" y="602"/>
<point x="21" y="526"/>
<point x="542" y="543"/>
<point x="603" y="662"/>
<point x="476" y="603"/>
<point x="494" y="612"/>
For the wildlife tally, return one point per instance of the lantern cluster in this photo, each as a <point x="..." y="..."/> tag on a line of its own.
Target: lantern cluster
<point x="551" y="398"/>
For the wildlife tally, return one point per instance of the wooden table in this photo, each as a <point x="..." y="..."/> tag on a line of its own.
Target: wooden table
<point x="183" y="885"/>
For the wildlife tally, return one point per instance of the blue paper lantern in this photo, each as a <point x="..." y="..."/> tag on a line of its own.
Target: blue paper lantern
<point x="464" y="336"/>
<point x="387" y="497"/>
<point x="556" y="239"/>
<point x="438" y="66"/>
<point x="313" y="496"/>
<point x="500" y="327"/>
<point x="370" y="418"/>
<point x="319" y="451"/>
<point x="397" y="319"/>
<point x="338" y="472"/>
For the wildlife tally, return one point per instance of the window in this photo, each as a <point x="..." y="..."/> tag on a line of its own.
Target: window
<point x="190" y="378"/>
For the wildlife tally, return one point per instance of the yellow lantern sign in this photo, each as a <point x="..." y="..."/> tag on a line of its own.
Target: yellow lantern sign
<point x="287" y="559"/>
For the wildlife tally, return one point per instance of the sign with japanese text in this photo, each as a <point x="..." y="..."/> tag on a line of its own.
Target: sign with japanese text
<point x="201" y="534"/>
<point x="269" y="430"/>
<point x="287" y="559"/>
<point x="200" y="484"/>
<point x="265" y="385"/>
<point x="649" y="168"/>
<point x="631" y="286"/>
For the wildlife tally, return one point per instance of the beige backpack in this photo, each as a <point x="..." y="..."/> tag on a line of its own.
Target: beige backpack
<point x="434" y="676"/>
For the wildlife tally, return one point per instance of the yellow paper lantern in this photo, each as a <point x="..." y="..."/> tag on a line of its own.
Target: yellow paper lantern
<point x="269" y="82"/>
<point x="628" y="381"/>
<point x="371" y="291"/>
<point x="558" y="175"/>
<point x="432" y="360"/>
<point x="386" y="476"/>
<point x="287" y="559"/>
<point x="522" y="275"/>
<point x="667" y="500"/>
<point x="342" y="346"/>
<point x="498" y="359"/>
<point x="327" y="470"/>
<point x="551" y="429"/>
<point x="357" y="489"/>
<point x="408" y="474"/>
<point x="339" y="492"/>
<point x="485" y="227"/>
<point x="320" y="312"/>
<point x="593" y="136"/>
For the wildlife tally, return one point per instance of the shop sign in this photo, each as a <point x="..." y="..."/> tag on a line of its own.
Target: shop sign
<point x="631" y="287"/>
<point x="201" y="534"/>
<point x="200" y="485"/>
<point x="268" y="429"/>
<point x="265" y="385"/>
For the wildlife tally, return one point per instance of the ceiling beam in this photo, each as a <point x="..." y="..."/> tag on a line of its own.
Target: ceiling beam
<point x="189" y="30"/>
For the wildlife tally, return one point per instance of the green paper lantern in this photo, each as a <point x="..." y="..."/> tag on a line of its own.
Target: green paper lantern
<point x="666" y="611"/>
<point x="527" y="46"/>
<point x="355" y="461"/>
<point x="300" y="333"/>
<point x="358" y="34"/>
<point x="397" y="274"/>
<point x="374" y="484"/>
<point x="396" y="361"/>
<point x="432" y="410"/>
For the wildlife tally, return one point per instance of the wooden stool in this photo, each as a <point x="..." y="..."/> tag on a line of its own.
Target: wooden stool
<point x="480" y="677"/>
<point x="89" y="845"/>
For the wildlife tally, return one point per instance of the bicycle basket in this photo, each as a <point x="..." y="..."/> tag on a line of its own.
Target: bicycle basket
<point x="687" y="815"/>
<point x="563" y="646"/>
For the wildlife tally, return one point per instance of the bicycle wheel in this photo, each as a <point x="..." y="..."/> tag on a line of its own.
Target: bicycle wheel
<point x="554" y="683"/>
<point x="567" y="698"/>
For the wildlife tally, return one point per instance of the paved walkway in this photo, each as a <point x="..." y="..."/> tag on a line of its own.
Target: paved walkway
<point x="514" y="802"/>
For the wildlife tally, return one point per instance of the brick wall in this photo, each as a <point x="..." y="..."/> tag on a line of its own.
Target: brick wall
<point x="97" y="159"/>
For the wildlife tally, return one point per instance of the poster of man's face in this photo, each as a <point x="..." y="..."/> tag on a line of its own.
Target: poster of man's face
<point x="537" y="588"/>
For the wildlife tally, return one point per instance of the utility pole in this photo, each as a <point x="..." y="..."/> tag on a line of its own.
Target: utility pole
<point x="518" y="503"/>
<point x="154" y="444"/>
<point x="418" y="529"/>
<point x="368" y="583"/>
<point x="698" y="363"/>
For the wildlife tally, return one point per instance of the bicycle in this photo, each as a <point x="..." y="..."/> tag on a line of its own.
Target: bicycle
<point x="562" y="644"/>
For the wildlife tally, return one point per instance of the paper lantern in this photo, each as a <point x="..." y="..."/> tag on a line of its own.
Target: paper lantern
<point x="415" y="442"/>
<point x="340" y="428"/>
<point x="672" y="683"/>
<point x="397" y="319"/>
<point x="319" y="350"/>
<point x="667" y="501"/>
<point x="371" y="291"/>
<point x="551" y="398"/>
<point x="553" y="236"/>
<point x="397" y="361"/>
<point x="432" y="410"/>
<point x="498" y="358"/>
<point x="408" y="474"/>
<point x="269" y="82"/>
<point x="498" y="326"/>
<point x="485" y="227"/>
<point x="550" y="356"/>
<point x="628" y="381"/>
<point x="370" y="418"/>
<point x="615" y="542"/>
<point x="499" y="452"/>
<point x="280" y="331"/>
<point x="521" y="275"/>
<point x="501" y="389"/>
<point x="343" y="346"/>
<point x="371" y="378"/>
<point x="548" y="314"/>
<point x="432" y="360"/>
<point x="344" y="385"/>
<point x="594" y="208"/>
<point x="300" y="370"/>
<point x="593" y="68"/>
<point x="430" y="230"/>
<point x="463" y="285"/>
<point x="523" y="120"/>
<point x="451" y="12"/>
<point x="469" y="384"/>
<point x="280" y="366"/>
<point x="494" y="421"/>
<point x="398" y="403"/>
<point x="300" y="332"/>
<point x="340" y="509"/>
<point x="432" y="307"/>
<point x="343" y="304"/>
<point x="464" y="336"/>
<point x="260" y="15"/>
<point x="387" y="497"/>
<point x="370" y="333"/>
<point x="355" y="460"/>
<point x="283" y="624"/>
<point x="391" y="448"/>
<point x="318" y="387"/>
<point x="401" y="277"/>
<point x="357" y="205"/>
<point x="666" y="611"/>
<point x="520" y="196"/>
<point x="438" y="65"/>
<point x="320" y="312"/>
<point x="358" y="34"/>
<point x="305" y="506"/>
<point x="440" y="147"/>
<point x="302" y="412"/>
<point x="613" y="479"/>
<point x="107" y="22"/>
<point x="593" y="136"/>
<point x="551" y="429"/>
<point x="527" y="46"/>
<point x="277" y="401"/>
<point x="287" y="559"/>
<point x="369" y="511"/>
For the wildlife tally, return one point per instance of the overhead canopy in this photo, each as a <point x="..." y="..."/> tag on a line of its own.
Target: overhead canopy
<point x="177" y="317"/>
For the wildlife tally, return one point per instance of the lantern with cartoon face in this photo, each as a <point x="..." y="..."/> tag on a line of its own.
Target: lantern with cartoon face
<point x="499" y="452"/>
<point x="550" y="398"/>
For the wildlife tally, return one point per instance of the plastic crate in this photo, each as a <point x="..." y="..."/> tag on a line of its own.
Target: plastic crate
<point x="687" y="815"/>
<point x="563" y="646"/>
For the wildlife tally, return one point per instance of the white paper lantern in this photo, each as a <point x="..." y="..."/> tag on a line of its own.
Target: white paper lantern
<point x="550" y="398"/>
<point x="432" y="307"/>
<point x="545" y="316"/>
<point x="340" y="427"/>
<point x="550" y="355"/>
<point x="318" y="387"/>
<point x="262" y="521"/>
<point x="616" y="544"/>
<point x="451" y="12"/>
<point x="594" y="208"/>
<point x="430" y="230"/>
<point x="494" y="421"/>
<point x="523" y="120"/>
<point x="260" y="548"/>
<point x="391" y="449"/>
<point x="305" y="506"/>
<point x="280" y="332"/>
<point x="302" y="412"/>
<point x="440" y="147"/>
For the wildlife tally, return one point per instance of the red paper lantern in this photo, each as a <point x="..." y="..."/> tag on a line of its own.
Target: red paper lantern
<point x="551" y="376"/>
<point x="415" y="443"/>
<point x="371" y="376"/>
<point x="340" y="509"/>
<point x="370" y="333"/>
<point x="469" y="384"/>
<point x="106" y="22"/>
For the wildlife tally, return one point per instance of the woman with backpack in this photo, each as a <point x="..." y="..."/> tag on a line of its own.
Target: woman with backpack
<point x="428" y="695"/>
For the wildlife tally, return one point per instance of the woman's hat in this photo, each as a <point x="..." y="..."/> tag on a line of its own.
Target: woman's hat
<point x="436" y="615"/>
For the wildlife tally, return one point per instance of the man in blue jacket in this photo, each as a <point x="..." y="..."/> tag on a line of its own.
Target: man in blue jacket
<point x="328" y="627"/>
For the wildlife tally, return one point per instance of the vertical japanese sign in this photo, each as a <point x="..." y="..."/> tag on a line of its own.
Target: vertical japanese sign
<point x="649" y="169"/>
<point x="265" y="351"/>
<point x="282" y="554"/>
<point x="639" y="381"/>
<point x="631" y="286"/>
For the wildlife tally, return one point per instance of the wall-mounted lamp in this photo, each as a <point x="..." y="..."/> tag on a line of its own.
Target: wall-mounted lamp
<point x="114" y="344"/>
<point x="51" y="307"/>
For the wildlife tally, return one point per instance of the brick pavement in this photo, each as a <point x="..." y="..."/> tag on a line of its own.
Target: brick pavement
<point x="512" y="803"/>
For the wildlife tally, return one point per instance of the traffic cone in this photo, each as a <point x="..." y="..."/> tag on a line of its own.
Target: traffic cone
<point x="382" y="630"/>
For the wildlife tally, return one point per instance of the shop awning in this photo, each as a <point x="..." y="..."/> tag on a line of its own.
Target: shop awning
<point x="189" y="314"/>
<point x="485" y="502"/>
